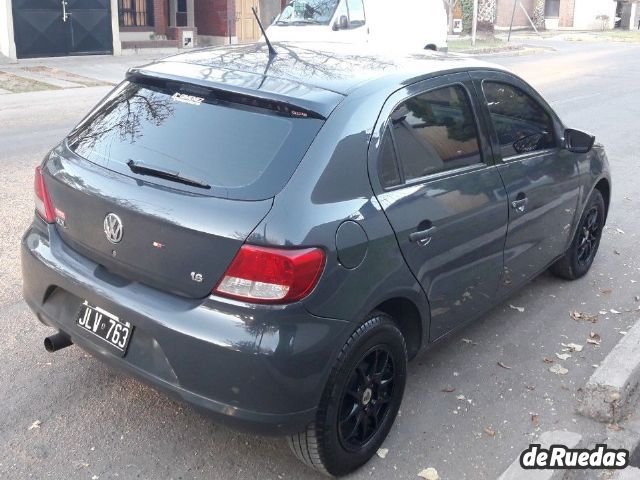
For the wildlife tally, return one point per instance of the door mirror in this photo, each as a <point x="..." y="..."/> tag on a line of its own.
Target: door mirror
<point x="578" y="142"/>
<point x="342" y="23"/>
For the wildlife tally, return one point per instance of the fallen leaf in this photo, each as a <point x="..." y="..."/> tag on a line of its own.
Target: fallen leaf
<point x="584" y="316"/>
<point x="456" y="374"/>
<point x="535" y="419"/>
<point x="563" y="356"/>
<point x="614" y="311"/>
<point x="489" y="431"/>
<point x="615" y="427"/>
<point x="637" y="298"/>
<point x="35" y="424"/>
<point x="530" y="387"/>
<point x="547" y="360"/>
<point x="460" y="397"/>
<point x="429" y="474"/>
<point x="619" y="230"/>
<point x="606" y="291"/>
<point x="500" y="364"/>
<point x="594" y="338"/>
<point x="558" y="369"/>
<point x="572" y="347"/>
<point x="616" y="252"/>
<point x="602" y="312"/>
<point x="520" y="309"/>
<point x="382" y="452"/>
<point x="470" y="342"/>
<point x="448" y="389"/>
<point x="622" y="333"/>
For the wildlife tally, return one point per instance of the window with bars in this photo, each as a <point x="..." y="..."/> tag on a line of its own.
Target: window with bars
<point x="135" y="13"/>
<point x="552" y="9"/>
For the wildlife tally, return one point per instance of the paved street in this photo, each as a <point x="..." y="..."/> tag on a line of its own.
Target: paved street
<point x="98" y="423"/>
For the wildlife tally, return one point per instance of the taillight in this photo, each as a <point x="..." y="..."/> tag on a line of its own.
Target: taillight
<point x="44" y="207"/>
<point x="271" y="275"/>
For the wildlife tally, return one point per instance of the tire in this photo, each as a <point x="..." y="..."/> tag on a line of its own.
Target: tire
<point x="364" y="391"/>
<point x="577" y="260"/>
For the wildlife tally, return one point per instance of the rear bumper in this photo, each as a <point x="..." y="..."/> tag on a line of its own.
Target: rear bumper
<point x="258" y="369"/>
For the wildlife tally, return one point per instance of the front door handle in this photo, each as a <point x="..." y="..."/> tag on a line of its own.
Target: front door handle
<point x="423" y="237"/>
<point x="520" y="203"/>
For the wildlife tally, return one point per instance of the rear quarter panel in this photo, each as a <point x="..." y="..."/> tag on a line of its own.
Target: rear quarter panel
<point x="331" y="186"/>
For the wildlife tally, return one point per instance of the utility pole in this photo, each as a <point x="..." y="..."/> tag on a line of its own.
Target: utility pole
<point x="513" y="14"/>
<point x="474" y="25"/>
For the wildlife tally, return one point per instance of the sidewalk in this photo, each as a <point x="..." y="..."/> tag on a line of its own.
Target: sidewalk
<point x="68" y="72"/>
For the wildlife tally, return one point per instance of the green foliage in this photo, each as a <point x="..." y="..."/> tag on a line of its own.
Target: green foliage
<point x="467" y="15"/>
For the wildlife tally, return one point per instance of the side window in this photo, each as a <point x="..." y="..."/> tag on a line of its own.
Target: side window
<point x="353" y="10"/>
<point x="356" y="13"/>
<point x="435" y="132"/>
<point x="522" y="125"/>
<point x="387" y="164"/>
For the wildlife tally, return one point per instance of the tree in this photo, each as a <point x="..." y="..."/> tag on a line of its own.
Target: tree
<point x="538" y="13"/>
<point x="451" y="4"/>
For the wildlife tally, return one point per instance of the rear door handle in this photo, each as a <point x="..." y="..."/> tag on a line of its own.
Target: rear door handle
<point x="520" y="204"/>
<point x="422" y="237"/>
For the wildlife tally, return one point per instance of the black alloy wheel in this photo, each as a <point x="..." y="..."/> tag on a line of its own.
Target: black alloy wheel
<point x="578" y="259"/>
<point x="589" y="236"/>
<point x="365" y="401"/>
<point x="360" y="401"/>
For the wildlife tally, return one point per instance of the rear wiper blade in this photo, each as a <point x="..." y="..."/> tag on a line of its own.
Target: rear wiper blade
<point x="145" y="169"/>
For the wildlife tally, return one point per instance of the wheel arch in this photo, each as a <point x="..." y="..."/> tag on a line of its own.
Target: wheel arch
<point x="604" y="187"/>
<point x="407" y="316"/>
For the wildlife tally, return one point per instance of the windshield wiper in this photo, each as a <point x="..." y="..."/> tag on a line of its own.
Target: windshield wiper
<point x="145" y="169"/>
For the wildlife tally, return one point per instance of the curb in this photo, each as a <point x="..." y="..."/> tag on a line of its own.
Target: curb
<point x="555" y="437"/>
<point x="612" y="386"/>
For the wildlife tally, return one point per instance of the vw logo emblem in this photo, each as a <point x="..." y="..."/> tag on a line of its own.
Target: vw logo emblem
<point x="113" y="228"/>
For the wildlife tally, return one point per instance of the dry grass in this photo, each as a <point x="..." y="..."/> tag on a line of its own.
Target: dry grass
<point x="17" y="84"/>
<point x="67" y="76"/>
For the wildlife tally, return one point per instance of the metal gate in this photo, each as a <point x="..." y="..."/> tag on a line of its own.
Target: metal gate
<point x="48" y="28"/>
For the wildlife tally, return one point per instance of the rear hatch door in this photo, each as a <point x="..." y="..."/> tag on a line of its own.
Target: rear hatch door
<point x="212" y="165"/>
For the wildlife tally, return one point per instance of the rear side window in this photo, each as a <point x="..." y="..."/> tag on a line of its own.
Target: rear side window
<point x="435" y="132"/>
<point x="521" y="124"/>
<point x="241" y="151"/>
<point x="387" y="165"/>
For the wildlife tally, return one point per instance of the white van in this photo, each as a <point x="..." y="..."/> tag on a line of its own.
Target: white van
<point x="389" y="24"/>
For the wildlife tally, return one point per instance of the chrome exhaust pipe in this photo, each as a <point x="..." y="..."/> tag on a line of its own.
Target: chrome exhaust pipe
<point x="57" y="342"/>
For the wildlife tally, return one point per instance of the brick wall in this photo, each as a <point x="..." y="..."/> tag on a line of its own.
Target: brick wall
<point x="160" y="16"/>
<point x="567" y="10"/>
<point x="212" y="19"/>
<point x="505" y="8"/>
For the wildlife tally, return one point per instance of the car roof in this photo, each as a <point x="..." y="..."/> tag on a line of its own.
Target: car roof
<point x="313" y="76"/>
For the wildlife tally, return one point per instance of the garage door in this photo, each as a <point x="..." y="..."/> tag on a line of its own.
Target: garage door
<point x="45" y="28"/>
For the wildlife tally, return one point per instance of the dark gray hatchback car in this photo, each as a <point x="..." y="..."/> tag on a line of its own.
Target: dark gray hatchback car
<point x="272" y="238"/>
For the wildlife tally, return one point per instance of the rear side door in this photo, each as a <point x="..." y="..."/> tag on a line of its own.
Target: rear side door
<point x="540" y="177"/>
<point x="432" y="170"/>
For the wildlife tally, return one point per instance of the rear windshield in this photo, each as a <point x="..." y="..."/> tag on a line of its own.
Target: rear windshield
<point x="239" y="150"/>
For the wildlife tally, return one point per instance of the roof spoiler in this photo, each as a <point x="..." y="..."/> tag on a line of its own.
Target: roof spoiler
<point x="225" y="91"/>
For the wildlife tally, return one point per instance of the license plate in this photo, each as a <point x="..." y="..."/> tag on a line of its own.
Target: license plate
<point x="105" y="325"/>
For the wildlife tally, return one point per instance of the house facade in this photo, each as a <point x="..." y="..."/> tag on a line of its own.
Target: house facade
<point x="551" y="14"/>
<point x="546" y="14"/>
<point x="77" y="27"/>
